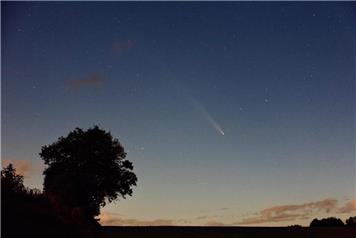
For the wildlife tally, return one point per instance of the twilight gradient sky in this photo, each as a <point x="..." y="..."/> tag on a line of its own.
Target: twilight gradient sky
<point x="225" y="109"/>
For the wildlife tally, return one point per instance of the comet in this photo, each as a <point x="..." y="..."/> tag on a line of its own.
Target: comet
<point x="199" y="107"/>
<point x="207" y="116"/>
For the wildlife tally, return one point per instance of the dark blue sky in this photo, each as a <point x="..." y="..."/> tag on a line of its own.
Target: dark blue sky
<point x="236" y="105"/>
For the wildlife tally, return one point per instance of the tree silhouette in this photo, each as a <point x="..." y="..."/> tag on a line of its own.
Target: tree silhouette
<point x="11" y="183"/>
<point x="330" y="221"/>
<point x="84" y="170"/>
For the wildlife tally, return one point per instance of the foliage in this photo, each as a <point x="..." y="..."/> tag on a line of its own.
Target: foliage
<point x="330" y="221"/>
<point x="85" y="169"/>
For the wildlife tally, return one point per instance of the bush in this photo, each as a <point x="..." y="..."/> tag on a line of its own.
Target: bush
<point x="327" y="222"/>
<point x="351" y="221"/>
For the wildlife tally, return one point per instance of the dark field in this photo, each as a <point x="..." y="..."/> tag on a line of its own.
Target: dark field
<point x="226" y="232"/>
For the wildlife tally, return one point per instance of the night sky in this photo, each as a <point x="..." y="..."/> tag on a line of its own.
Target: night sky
<point x="225" y="109"/>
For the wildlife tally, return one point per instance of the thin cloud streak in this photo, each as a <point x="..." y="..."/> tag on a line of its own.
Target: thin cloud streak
<point x="95" y="80"/>
<point x="201" y="217"/>
<point x="109" y="219"/>
<point x="291" y="212"/>
<point x="215" y="223"/>
<point x="120" y="46"/>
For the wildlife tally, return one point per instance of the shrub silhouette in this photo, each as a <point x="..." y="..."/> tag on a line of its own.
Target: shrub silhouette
<point x="351" y="221"/>
<point x="296" y="226"/>
<point x="25" y="212"/>
<point x="85" y="169"/>
<point x="327" y="222"/>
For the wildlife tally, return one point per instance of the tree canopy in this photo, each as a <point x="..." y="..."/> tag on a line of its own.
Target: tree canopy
<point x="87" y="168"/>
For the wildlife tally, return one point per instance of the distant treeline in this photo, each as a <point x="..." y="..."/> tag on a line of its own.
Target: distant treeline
<point x="333" y="222"/>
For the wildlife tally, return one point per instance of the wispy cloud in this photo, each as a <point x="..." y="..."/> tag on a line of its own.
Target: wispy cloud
<point x="110" y="219"/>
<point x="95" y="80"/>
<point x="120" y="46"/>
<point x="22" y="167"/>
<point x="201" y="217"/>
<point x="291" y="212"/>
<point x="184" y="221"/>
<point x="349" y="207"/>
<point x="274" y="218"/>
<point x="215" y="223"/>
